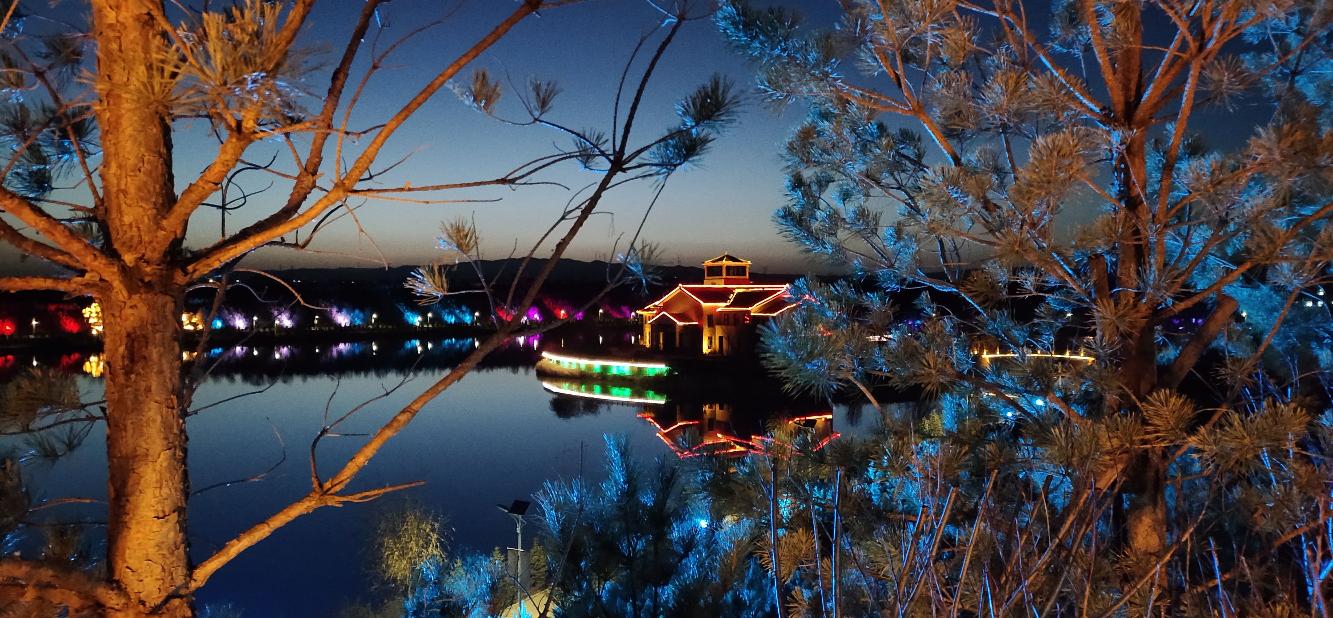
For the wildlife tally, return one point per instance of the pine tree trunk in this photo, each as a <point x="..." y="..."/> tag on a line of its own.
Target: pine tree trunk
<point x="147" y="550"/>
<point x="1145" y="476"/>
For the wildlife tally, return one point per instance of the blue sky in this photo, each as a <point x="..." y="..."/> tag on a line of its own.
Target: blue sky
<point x="724" y="204"/>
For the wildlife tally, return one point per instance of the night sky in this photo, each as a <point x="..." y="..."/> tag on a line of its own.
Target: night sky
<point x="724" y="204"/>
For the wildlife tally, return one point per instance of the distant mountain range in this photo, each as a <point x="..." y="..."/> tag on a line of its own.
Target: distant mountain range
<point x="566" y="271"/>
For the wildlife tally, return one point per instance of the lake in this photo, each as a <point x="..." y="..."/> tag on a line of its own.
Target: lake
<point x="495" y="436"/>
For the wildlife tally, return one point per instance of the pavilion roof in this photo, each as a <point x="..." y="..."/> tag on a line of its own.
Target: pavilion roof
<point x="712" y="294"/>
<point x="675" y="317"/>
<point x="748" y="299"/>
<point x="727" y="257"/>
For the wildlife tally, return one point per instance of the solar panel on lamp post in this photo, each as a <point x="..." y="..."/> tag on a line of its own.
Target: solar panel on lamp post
<point x="518" y="566"/>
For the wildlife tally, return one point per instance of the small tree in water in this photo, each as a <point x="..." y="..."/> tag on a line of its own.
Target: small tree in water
<point x="1123" y="333"/>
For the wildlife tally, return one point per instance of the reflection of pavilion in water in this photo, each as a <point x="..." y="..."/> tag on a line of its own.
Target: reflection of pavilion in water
<point x="700" y="424"/>
<point x="714" y="429"/>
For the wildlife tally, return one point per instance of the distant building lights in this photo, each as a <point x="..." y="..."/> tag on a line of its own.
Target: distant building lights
<point x="987" y="356"/>
<point x="92" y="314"/>
<point x="94" y="366"/>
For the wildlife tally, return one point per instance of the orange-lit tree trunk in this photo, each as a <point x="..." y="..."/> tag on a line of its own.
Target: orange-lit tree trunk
<point x="146" y="441"/>
<point x="1146" y="474"/>
<point x="147" y="551"/>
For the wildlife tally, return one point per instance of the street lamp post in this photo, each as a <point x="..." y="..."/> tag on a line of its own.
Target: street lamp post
<point x="517" y="556"/>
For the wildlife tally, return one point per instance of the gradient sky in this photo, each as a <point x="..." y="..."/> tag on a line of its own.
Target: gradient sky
<point x="725" y="204"/>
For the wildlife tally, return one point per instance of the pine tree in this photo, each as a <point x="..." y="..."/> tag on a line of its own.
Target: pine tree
<point x="1108" y="299"/>
<point x="98" y="109"/>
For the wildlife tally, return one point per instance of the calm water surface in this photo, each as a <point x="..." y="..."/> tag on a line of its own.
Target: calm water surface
<point x="495" y="436"/>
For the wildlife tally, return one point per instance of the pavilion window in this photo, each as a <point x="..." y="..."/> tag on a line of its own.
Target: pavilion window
<point x="736" y="271"/>
<point x="713" y="271"/>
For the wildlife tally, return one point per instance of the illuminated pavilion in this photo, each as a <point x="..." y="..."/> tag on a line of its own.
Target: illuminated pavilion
<point x="717" y="317"/>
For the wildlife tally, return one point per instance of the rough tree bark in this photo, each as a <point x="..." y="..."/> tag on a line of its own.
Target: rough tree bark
<point x="147" y="552"/>
<point x="147" y="548"/>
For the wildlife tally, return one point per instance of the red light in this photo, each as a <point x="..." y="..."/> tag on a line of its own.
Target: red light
<point x="7" y="327"/>
<point x="68" y="324"/>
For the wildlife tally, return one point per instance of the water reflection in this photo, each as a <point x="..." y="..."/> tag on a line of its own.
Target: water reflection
<point x="698" y="418"/>
<point x="261" y="364"/>
<point x="497" y="435"/>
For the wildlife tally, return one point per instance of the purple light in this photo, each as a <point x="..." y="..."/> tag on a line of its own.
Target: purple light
<point x="344" y="316"/>
<point x="344" y="349"/>
<point x="283" y="318"/>
<point x="618" y="312"/>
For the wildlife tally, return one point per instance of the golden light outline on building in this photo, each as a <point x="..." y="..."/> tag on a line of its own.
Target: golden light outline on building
<point x="779" y="292"/>
<point x="778" y="312"/>
<point x="673" y="319"/>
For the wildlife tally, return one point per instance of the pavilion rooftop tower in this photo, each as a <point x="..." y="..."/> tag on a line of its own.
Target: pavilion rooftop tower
<point x="726" y="269"/>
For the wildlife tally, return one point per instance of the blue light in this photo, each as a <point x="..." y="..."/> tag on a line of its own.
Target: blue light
<point x="455" y="315"/>
<point x="411" y="317"/>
